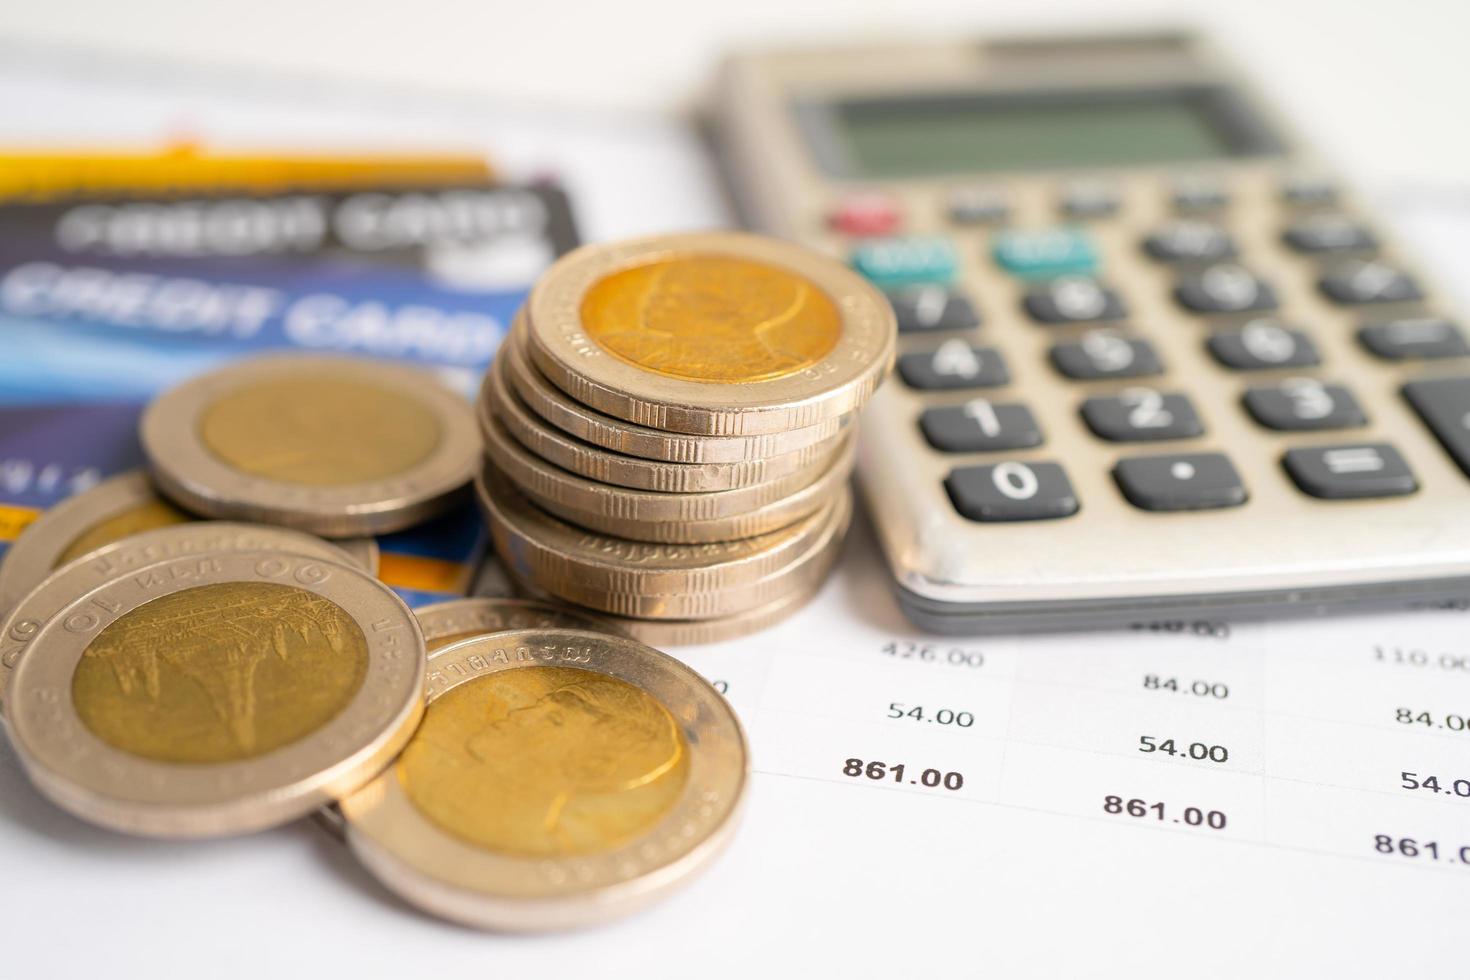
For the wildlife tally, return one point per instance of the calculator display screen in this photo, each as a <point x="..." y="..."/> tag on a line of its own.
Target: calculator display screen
<point x="931" y="135"/>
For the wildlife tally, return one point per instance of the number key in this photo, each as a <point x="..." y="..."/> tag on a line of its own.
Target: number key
<point x="1298" y="404"/>
<point x="1100" y="355"/>
<point x="1141" y="415"/>
<point x="979" y="426"/>
<point x="1412" y="338"/>
<point x="1074" y="299"/>
<point x="1356" y="283"/>
<point x="954" y="364"/>
<point x="920" y="309"/>
<point x="1225" y="289"/>
<point x="1322" y="233"/>
<point x="1011" y="491"/>
<point x="1190" y="241"/>
<point x="1261" y="345"/>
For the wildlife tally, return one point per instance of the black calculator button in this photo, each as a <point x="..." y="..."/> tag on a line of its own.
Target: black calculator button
<point x="1299" y="404"/>
<point x="1089" y="199"/>
<point x="920" y="309"/>
<point x="1225" y="289"/>
<point x="1011" y="491"/>
<point x="1323" y="233"/>
<point x="1413" y="338"/>
<point x="1355" y="283"/>
<point x="1342" y="472"/>
<point x="1074" y="299"/>
<point x="1199" y="194"/>
<point x="1141" y="415"/>
<point x="1101" y="355"/>
<point x="954" y="364"/>
<point x="977" y="205"/>
<point x="1262" y="345"/>
<point x="1184" y="481"/>
<point x="1444" y="405"/>
<point x="1190" y="241"/>
<point x="979" y="426"/>
<point x="1308" y="192"/>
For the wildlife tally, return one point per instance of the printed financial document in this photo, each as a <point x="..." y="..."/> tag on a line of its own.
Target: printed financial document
<point x="1184" y="798"/>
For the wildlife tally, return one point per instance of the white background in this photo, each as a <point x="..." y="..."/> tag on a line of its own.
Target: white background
<point x="827" y="877"/>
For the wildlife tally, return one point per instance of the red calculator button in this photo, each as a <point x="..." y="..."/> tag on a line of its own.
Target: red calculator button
<point x="866" y="214"/>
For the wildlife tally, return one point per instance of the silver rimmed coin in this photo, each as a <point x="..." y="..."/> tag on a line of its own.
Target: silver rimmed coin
<point x="498" y="401"/>
<point x="558" y="490"/>
<point x="217" y="694"/>
<point x="449" y="622"/>
<point x="710" y="333"/>
<point x="762" y="520"/>
<point x="692" y="632"/>
<point x="101" y="565"/>
<point x="536" y="545"/>
<point x="559" y="410"/>
<point x="333" y="445"/>
<point x="559" y="779"/>
<point x="801" y="574"/>
<point x="112" y="510"/>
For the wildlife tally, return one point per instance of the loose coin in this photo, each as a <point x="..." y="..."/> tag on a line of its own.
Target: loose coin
<point x="336" y="446"/>
<point x="577" y="420"/>
<point x="710" y="333"/>
<point x="538" y="546"/>
<point x="449" y="622"/>
<point x="560" y="778"/>
<point x="770" y="517"/>
<point x="800" y="575"/>
<point x="556" y="488"/>
<point x="101" y="565"/>
<point x="217" y="694"/>
<point x="498" y="401"/>
<point x="690" y="632"/>
<point x="112" y="510"/>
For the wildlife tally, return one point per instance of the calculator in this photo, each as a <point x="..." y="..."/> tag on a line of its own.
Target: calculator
<point x="1155" y="364"/>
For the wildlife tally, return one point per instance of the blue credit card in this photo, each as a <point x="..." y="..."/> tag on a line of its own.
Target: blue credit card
<point x="103" y="304"/>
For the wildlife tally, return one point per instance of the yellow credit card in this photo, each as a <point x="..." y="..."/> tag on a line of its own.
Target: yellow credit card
<point x="39" y="175"/>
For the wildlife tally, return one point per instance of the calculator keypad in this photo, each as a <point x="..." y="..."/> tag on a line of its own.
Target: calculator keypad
<point x="1225" y="288"/>
<point x="1183" y="481"/>
<point x="1012" y="491"/>
<point x="1141" y="415"/>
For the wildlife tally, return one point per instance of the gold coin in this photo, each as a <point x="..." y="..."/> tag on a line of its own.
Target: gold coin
<point x="98" y="567"/>
<point x="801" y="574"/>
<point x="710" y="334"/>
<point x="332" y="445"/>
<point x="217" y="694"/>
<point x="320" y="431"/>
<point x="498" y="402"/>
<point x="712" y="318"/>
<point x="559" y="410"/>
<point x="560" y="778"/>
<point x="546" y="762"/>
<point x="535" y="545"/>
<point x="113" y="510"/>
<point x="449" y="622"/>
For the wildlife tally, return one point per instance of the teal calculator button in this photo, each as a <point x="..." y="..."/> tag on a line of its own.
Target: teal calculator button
<point x="1045" y="253"/>
<point x="906" y="261"/>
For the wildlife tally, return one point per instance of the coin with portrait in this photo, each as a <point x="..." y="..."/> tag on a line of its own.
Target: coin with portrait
<point x="559" y="778"/>
<point x="218" y="693"/>
<point x="113" y="510"/>
<point x="333" y="445"/>
<point x="713" y="333"/>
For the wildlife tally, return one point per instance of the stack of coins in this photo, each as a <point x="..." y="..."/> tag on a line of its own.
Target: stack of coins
<point x="668" y="430"/>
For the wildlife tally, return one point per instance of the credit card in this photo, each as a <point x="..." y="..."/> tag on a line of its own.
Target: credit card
<point x="105" y="303"/>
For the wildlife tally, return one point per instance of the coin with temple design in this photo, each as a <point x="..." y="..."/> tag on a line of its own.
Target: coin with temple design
<point x="559" y="778"/>
<point x="711" y="333"/>
<point x="217" y="693"/>
<point x="332" y="445"/>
